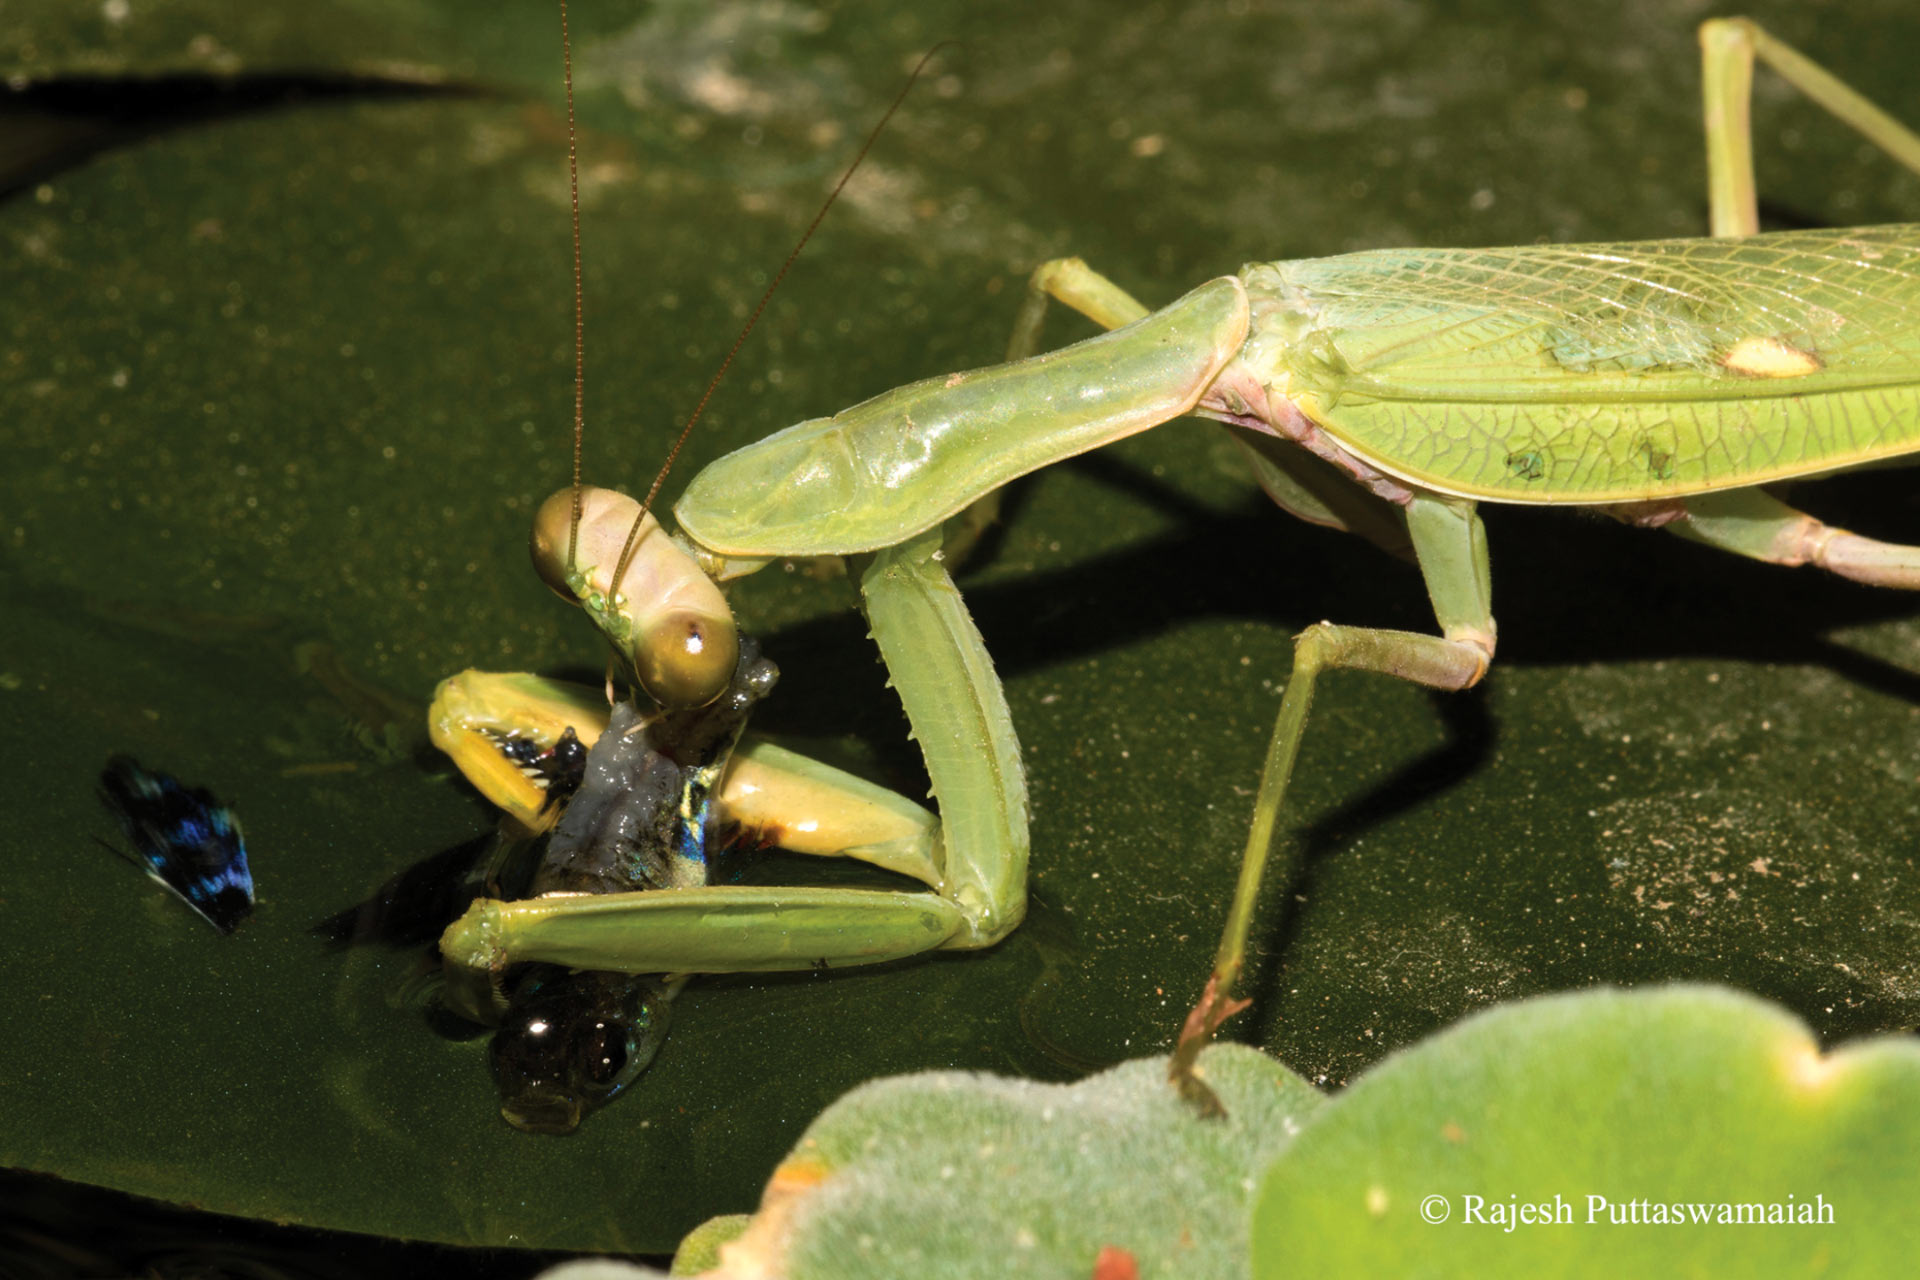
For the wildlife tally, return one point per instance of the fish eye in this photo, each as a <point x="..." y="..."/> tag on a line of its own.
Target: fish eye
<point x="606" y="1058"/>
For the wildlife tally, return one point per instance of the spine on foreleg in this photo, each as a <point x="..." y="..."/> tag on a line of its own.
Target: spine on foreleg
<point x="958" y="711"/>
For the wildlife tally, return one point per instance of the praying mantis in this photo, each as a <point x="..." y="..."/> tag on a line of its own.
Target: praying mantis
<point x="1384" y="393"/>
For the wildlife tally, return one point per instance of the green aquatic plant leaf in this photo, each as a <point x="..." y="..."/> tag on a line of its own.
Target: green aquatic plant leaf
<point x="1686" y="1131"/>
<point x="963" y="1175"/>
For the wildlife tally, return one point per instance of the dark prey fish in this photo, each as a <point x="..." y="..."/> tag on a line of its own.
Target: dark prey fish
<point x="641" y="817"/>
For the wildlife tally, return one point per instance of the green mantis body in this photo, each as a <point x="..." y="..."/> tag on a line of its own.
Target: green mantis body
<point x="1387" y="393"/>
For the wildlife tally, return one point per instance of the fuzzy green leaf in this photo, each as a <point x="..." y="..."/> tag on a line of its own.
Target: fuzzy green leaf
<point x="1689" y="1131"/>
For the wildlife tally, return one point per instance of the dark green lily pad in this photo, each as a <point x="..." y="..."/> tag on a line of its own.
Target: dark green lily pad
<point x="298" y="377"/>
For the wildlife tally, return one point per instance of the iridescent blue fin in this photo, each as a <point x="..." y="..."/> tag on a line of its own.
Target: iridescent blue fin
<point x="182" y="837"/>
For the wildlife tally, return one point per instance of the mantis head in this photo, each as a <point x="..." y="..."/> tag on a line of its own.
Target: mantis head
<point x="664" y="616"/>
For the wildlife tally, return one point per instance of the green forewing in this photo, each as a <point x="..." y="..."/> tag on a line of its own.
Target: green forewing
<point x="1604" y="372"/>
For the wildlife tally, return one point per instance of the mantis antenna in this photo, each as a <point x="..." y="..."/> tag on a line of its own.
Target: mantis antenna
<point x="579" y="350"/>
<point x="579" y="310"/>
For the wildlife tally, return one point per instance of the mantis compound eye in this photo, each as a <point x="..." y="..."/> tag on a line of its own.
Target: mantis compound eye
<point x="687" y="660"/>
<point x="552" y="533"/>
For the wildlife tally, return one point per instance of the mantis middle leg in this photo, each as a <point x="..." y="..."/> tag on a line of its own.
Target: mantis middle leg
<point x="1449" y="544"/>
<point x="1749" y="522"/>
<point x="1451" y="547"/>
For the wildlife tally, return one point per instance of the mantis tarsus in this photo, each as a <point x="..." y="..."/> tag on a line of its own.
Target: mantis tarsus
<point x="1386" y="393"/>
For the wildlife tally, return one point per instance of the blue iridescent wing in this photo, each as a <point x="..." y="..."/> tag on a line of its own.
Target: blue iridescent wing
<point x="182" y="837"/>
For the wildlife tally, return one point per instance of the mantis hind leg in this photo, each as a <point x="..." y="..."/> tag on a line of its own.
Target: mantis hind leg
<point x="1751" y="523"/>
<point x="1728" y="47"/>
<point x="1072" y="281"/>
<point x="1444" y="536"/>
<point x="1451" y="547"/>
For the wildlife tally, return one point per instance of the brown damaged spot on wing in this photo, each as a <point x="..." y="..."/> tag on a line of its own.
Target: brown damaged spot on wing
<point x="1770" y="358"/>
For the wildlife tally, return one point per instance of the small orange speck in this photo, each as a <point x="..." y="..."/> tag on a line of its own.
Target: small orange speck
<point x="1453" y="1132"/>
<point x="1115" y="1263"/>
<point x="797" y="1175"/>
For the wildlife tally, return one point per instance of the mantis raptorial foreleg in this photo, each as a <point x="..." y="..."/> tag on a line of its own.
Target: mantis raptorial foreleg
<point x="978" y="868"/>
<point x="781" y="797"/>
